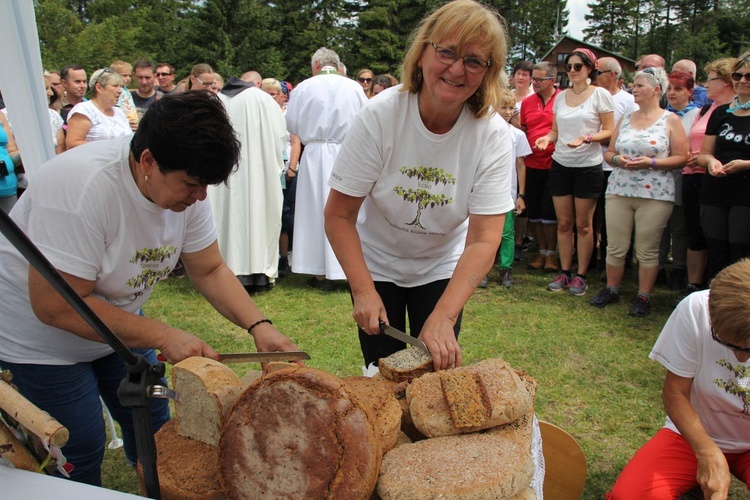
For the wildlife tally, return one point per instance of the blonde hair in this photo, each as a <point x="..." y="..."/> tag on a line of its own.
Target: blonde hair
<point x="722" y="67"/>
<point x="506" y="98"/>
<point x="469" y="22"/>
<point x="728" y="303"/>
<point x="198" y="69"/>
<point x="269" y="84"/>
<point x="121" y="66"/>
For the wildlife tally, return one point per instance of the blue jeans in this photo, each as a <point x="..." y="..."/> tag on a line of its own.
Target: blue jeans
<point x="70" y="393"/>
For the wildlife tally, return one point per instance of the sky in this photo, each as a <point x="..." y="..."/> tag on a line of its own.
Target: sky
<point x="576" y="21"/>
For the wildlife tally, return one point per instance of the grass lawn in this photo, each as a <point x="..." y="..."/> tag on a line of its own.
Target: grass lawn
<point x="595" y="378"/>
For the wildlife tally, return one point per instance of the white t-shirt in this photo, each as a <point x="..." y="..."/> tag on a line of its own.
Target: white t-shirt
<point x="577" y="121"/>
<point x="624" y="104"/>
<point x="102" y="126"/>
<point x="685" y="348"/>
<point x="420" y="187"/>
<point x="87" y="216"/>
<point x="521" y="149"/>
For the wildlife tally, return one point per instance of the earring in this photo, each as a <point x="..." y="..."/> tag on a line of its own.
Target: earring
<point x="588" y="81"/>
<point x="419" y="74"/>
<point x="145" y="178"/>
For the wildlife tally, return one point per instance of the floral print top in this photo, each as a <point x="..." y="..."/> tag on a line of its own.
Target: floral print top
<point x="653" y="142"/>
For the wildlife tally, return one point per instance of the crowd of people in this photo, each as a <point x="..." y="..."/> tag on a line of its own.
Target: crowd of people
<point x="410" y="191"/>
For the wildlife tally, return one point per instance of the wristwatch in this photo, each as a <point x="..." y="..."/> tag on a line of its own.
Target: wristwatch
<point x="522" y="196"/>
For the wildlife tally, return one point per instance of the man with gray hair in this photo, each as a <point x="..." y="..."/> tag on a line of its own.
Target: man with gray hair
<point x="320" y="111"/>
<point x="699" y="92"/>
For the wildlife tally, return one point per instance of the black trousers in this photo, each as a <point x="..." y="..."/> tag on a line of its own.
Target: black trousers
<point x="727" y="231"/>
<point x="418" y="302"/>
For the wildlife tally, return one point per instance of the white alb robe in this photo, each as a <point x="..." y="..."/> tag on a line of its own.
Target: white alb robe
<point x="319" y="112"/>
<point x="247" y="210"/>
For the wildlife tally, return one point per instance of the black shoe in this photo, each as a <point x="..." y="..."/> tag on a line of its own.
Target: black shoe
<point x="518" y="254"/>
<point x="661" y="277"/>
<point x="604" y="298"/>
<point x="284" y="269"/>
<point x="641" y="307"/>
<point x="323" y="285"/>
<point x="677" y="279"/>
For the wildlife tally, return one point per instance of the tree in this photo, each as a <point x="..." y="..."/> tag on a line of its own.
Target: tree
<point x="422" y="196"/>
<point x="611" y="25"/>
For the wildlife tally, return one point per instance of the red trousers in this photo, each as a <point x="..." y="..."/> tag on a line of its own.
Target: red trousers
<point x="666" y="467"/>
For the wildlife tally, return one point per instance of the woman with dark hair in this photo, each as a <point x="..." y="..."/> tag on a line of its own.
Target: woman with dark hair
<point x="725" y="194"/>
<point x="430" y="166"/>
<point x="113" y="217"/>
<point x="365" y="78"/>
<point x="522" y="82"/>
<point x="720" y="90"/>
<point x="583" y="117"/>
<point x="382" y="82"/>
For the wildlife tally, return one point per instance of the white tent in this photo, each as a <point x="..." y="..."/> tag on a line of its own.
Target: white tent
<point x="22" y="84"/>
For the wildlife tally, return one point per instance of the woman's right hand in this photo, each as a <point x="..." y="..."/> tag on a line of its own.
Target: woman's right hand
<point x="715" y="168"/>
<point x="713" y="474"/>
<point x="368" y="311"/>
<point x="541" y="143"/>
<point x="692" y="161"/>
<point x="179" y="345"/>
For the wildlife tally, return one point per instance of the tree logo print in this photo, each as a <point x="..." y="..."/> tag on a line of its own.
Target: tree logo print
<point x="150" y="275"/>
<point x="732" y="387"/>
<point x="422" y="196"/>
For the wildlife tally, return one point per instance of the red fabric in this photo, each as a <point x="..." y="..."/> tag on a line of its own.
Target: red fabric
<point x="537" y="118"/>
<point x="665" y="468"/>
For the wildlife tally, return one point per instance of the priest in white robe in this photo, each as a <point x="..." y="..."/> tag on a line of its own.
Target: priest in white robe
<point x="320" y="112"/>
<point x="247" y="210"/>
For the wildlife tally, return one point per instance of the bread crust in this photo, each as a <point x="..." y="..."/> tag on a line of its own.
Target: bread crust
<point x="405" y="365"/>
<point x="465" y="467"/>
<point x="385" y="407"/>
<point x="299" y="433"/>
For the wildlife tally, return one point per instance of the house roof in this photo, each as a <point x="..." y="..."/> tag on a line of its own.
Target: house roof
<point x="586" y="45"/>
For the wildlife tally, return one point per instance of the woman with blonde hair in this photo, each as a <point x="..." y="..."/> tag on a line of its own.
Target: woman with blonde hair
<point x="201" y="77"/>
<point x="430" y="167"/>
<point x="98" y="118"/>
<point x="364" y="78"/>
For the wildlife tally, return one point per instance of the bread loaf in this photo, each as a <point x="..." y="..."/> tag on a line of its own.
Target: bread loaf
<point x="207" y="390"/>
<point x="385" y="407"/>
<point x="466" y="397"/>
<point x="299" y="433"/>
<point x="406" y="364"/>
<point x="188" y="469"/>
<point x="519" y="431"/>
<point x="471" y="466"/>
<point x="508" y="399"/>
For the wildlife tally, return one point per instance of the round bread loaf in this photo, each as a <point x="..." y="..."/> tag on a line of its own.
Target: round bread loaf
<point x="299" y="433"/>
<point x="385" y="407"/>
<point x="188" y="469"/>
<point x="469" y="466"/>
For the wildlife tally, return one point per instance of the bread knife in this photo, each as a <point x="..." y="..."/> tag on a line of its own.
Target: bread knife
<point x="262" y="357"/>
<point x="399" y="335"/>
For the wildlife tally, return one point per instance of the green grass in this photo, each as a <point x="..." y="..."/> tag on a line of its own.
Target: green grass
<point x="595" y="378"/>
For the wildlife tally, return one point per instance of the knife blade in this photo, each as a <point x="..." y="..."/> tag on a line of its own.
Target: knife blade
<point x="262" y="357"/>
<point x="399" y="335"/>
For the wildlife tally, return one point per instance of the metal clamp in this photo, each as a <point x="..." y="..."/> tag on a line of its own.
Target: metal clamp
<point x="161" y="392"/>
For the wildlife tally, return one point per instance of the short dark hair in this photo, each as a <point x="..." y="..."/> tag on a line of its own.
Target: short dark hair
<point x="167" y="65"/>
<point x="191" y="132"/>
<point x="67" y="69"/>
<point x="144" y="63"/>
<point x="527" y="66"/>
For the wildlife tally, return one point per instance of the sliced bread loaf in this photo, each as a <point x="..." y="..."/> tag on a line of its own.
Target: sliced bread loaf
<point x="385" y="407"/>
<point x="406" y="364"/>
<point x="508" y="398"/>
<point x="207" y="390"/>
<point x="470" y="466"/>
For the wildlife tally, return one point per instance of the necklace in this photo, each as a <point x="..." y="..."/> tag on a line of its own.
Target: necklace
<point x="581" y="92"/>
<point x="735" y="105"/>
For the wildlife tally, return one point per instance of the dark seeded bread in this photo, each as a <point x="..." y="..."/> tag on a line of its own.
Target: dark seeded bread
<point x="406" y="365"/>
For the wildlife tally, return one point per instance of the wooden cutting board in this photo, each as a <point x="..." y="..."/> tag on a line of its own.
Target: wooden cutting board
<point x="564" y="464"/>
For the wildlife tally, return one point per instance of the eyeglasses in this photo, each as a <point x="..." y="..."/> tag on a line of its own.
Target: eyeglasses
<point x="712" y="79"/>
<point x="364" y="80"/>
<point x="739" y="76"/>
<point x="574" y="67"/>
<point x="205" y="84"/>
<point x="164" y="74"/>
<point x="602" y="71"/>
<point x="471" y="64"/>
<point x="540" y="80"/>
<point x="728" y="345"/>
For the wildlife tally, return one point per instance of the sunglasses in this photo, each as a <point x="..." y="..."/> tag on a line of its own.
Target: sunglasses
<point x="364" y="80"/>
<point x="540" y="80"/>
<point x="104" y="71"/>
<point x="574" y="67"/>
<point x="739" y="76"/>
<point x="163" y="74"/>
<point x="728" y="345"/>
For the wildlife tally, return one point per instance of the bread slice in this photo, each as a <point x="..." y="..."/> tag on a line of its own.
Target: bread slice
<point x="471" y="466"/>
<point x="385" y="407"/>
<point x="467" y="399"/>
<point x="406" y="364"/>
<point x="300" y="433"/>
<point x="188" y="469"/>
<point x="508" y="398"/>
<point x="207" y="390"/>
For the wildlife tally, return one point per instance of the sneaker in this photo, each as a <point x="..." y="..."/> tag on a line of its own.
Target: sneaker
<point x="529" y="243"/>
<point x="551" y="264"/>
<point x="483" y="283"/>
<point x="284" y="269"/>
<point x="537" y="263"/>
<point x="578" y="286"/>
<point x="179" y="271"/>
<point x="604" y="298"/>
<point x="641" y="307"/>
<point x="323" y="285"/>
<point x="517" y="255"/>
<point x="506" y="277"/>
<point x="560" y="283"/>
